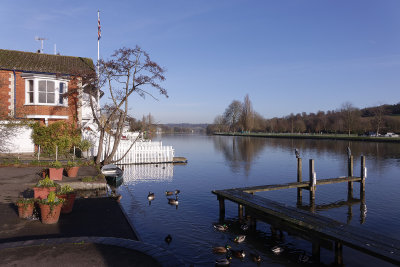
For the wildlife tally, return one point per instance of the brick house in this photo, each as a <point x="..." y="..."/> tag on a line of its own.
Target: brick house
<point x="43" y="87"/>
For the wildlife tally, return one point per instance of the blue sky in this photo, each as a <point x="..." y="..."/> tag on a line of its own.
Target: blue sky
<point x="289" y="56"/>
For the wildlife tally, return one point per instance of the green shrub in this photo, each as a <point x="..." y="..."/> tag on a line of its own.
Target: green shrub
<point x="46" y="182"/>
<point x="56" y="164"/>
<point x="71" y="164"/>
<point x="65" y="190"/>
<point x="61" y="134"/>
<point x="25" y="201"/>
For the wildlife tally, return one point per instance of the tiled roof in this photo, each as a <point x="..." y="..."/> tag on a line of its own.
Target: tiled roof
<point x="38" y="62"/>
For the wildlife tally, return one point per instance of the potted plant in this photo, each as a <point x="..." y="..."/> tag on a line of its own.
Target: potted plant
<point x="72" y="169"/>
<point x="25" y="207"/>
<point x="43" y="188"/>
<point x="67" y="192"/>
<point x="56" y="170"/>
<point x="50" y="208"/>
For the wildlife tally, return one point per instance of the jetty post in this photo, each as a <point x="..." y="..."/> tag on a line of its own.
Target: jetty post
<point x="221" y="201"/>
<point x="313" y="184"/>
<point x="363" y="206"/>
<point x="240" y="211"/>
<point x="299" y="179"/>
<point x="350" y="174"/>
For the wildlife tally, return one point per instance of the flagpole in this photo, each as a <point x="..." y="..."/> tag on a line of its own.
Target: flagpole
<point x="98" y="52"/>
<point x="98" y="42"/>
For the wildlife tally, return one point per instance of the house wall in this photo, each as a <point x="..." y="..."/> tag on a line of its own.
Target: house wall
<point x="22" y="110"/>
<point x="4" y="93"/>
<point x="19" y="139"/>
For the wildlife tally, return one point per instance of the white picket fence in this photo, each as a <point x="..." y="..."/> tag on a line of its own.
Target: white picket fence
<point x="144" y="152"/>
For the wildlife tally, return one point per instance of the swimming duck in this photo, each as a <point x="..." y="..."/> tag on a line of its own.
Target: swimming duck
<point x="177" y="192"/>
<point x="173" y="201"/>
<point x="244" y="227"/>
<point x="221" y="250"/>
<point x="223" y="261"/>
<point x="169" y="193"/>
<point x="239" y="238"/>
<point x="277" y="250"/>
<point x="168" y="239"/>
<point x="150" y="196"/>
<point x="221" y="227"/>
<point x="238" y="253"/>
<point x="255" y="257"/>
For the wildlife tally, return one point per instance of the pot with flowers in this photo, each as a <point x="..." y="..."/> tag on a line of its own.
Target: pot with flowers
<point x="56" y="170"/>
<point x="25" y="207"/>
<point x="67" y="192"/>
<point x="72" y="169"/>
<point x="43" y="188"/>
<point x="50" y="208"/>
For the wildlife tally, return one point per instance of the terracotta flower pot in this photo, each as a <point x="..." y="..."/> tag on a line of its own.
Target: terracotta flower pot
<point x="42" y="192"/>
<point x="48" y="214"/>
<point x="69" y="202"/>
<point x="25" y="210"/>
<point x="56" y="174"/>
<point x="72" y="171"/>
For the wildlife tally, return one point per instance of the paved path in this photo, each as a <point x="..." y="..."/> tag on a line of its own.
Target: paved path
<point x="96" y="233"/>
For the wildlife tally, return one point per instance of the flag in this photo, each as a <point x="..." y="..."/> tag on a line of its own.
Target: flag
<point x="98" y="26"/>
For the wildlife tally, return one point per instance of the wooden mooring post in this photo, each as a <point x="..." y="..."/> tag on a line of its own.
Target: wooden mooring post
<point x="221" y="201"/>
<point x="350" y="174"/>
<point x="240" y="212"/>
<point x="299" y="179"/>
<point x="312" y="185"/>
<point x="363" y="206"/>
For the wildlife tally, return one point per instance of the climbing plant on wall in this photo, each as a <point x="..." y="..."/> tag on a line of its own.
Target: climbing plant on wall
<point x="61" y="134"/>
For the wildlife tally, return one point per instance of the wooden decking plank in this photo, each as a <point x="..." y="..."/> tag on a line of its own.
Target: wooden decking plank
<point x="371" y="243"/>
<point x="305" y="184"/>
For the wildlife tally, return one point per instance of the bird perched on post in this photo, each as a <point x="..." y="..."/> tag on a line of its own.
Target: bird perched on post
<point x="297" y="153"/>
<point x="348" y="152"/>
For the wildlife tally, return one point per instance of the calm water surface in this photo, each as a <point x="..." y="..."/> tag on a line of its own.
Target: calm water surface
<point x="217" y="162"/>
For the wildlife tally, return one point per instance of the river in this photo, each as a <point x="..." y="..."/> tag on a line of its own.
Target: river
<point x="221" y="162"/>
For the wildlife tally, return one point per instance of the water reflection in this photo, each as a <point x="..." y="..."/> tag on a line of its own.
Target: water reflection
<point x="134" y="174"/>
<point x="242" y="151"/>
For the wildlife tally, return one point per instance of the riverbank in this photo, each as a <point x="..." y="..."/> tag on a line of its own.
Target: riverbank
<point x="317" y="136"/>
<point x="96" y="233"/>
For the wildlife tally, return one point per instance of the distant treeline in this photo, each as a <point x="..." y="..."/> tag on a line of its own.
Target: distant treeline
<point x="240" y="117"/>
<point x="149" y="124"/>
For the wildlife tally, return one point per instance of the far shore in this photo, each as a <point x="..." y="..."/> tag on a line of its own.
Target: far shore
<point x="315" y="136"/>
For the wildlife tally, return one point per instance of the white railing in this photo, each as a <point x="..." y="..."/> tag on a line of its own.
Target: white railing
<point x="141" y="152"/>
<point x="144" y="152"/>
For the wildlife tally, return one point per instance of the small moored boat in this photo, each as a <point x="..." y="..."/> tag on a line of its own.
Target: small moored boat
<point x="113" y="174"/>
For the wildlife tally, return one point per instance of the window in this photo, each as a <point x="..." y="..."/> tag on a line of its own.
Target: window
<point x="61" y="96"/>
<point x="45" y="90"/>
<point x="30" y="92"/>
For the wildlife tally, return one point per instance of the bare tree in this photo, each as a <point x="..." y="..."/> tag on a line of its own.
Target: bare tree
<point x="247" y="114"/>
<point x="232" y="115"/>
<point x="128" y="71"/>
<point x="378" y="118"/>
<point x="350" y="116"/>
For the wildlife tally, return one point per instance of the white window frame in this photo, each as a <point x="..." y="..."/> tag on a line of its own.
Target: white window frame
<point x="57" y="81"/>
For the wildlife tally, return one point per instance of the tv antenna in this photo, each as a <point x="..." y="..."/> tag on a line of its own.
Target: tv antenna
<point x="41" y="39"/>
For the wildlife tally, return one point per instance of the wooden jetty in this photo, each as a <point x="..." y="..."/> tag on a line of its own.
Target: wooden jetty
<point x="319" y="230"/>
